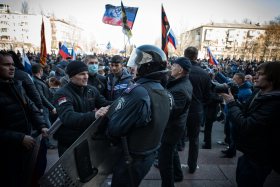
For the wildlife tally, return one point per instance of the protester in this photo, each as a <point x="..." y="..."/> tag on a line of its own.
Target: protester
<point x="19" y="116"/>
<point x="44" y="92"/>
<point x="95" y="79"/>
<point x="54" y="85"/>
<point x="212" y="107"/>
<point x="118" y="80"/>
<point x="27" y="82"/>
<point x="76" y="103"/>
<point x="257" y="127"/>
<point x="181" y="89"/>
<point x="242" y="94"/>
<point x="250" y="81"/>
<point x="139" y="116"/>
<point x="201" y="90"/>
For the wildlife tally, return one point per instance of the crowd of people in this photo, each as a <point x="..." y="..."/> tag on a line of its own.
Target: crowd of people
<point x="153" y="104"/>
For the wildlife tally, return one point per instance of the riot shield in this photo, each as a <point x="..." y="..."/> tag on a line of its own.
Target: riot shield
<point x="88" y="161"/>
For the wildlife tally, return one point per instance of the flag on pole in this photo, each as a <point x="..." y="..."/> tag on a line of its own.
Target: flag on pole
<point x="63" y="51"/>
<point x="212" y="59"/>
<point x="108" y="46"/>
<point x="126" y="29"/>
<point x="164" y="30"/>
<point x="43" y="51"/>
<point x="113" y="15"/>
<point x="73" y="53"/>
<point x="172" y="38"/>
<point x="26" y="63"/>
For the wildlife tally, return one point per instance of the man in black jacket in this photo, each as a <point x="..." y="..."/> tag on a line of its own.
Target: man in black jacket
<point x="181" y="89"/>
<point x="19" y="116"/>
<point x="257" y="128"/>
<point x="44" y="91"/>
<point x="77" y="104"/>
<point x="201" y="90"/>
<point x="27" y="82"/>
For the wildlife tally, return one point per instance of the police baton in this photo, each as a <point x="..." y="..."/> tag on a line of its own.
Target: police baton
<point x="128" y="159"/>
<point x="54" y="127"/>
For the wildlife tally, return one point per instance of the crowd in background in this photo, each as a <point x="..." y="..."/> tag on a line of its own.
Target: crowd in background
<point x="110" y="77"/>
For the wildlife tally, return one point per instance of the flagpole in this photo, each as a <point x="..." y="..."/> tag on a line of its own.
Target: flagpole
<point x="124" y="45"/>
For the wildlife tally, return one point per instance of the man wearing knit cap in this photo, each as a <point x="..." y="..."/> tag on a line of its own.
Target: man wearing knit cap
<point x="76" y="104"/>
<point x="181" y="88"/>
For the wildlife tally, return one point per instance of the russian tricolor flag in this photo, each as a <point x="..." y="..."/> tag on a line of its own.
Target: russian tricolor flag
<point x="171" y="38"/>
<point x="63" y="51"/>
<point x="212" y="59"/>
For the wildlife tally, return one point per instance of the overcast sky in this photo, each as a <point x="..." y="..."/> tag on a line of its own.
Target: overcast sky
<point x="182" y="15"/>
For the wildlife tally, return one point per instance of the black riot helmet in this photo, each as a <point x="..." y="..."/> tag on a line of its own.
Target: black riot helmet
<point x="148" y="59"/>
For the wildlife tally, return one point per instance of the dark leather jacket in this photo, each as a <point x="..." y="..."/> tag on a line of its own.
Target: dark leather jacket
<point x="258" y="128"/>
<point x="29" y="87"/>
<point x="76" y="109"/>
<point x="18" y="115"/>
<point x="201" y="88"/>
<point x="181" y="90"/>
<point x="44" y="92"/>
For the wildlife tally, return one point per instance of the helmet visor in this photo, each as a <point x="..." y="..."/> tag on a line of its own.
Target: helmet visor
<point x="138" y="57"/>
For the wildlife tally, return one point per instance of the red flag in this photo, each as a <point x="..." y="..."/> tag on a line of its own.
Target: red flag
<point x="43" y="51"/>
<point x="164" y="30"/>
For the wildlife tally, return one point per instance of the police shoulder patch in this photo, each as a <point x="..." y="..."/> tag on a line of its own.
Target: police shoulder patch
<point x="120" y="104"/>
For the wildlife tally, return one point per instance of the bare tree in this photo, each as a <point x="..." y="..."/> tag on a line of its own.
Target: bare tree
<point x="24" y="7"/>
<point x="247" y="21"/>
<point x="272" y="40"/>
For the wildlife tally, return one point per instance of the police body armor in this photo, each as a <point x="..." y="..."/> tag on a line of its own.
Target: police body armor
<point x="150" y="134"/>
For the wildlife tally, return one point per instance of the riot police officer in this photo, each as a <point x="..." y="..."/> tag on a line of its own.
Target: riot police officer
<point x="138" y="118"/>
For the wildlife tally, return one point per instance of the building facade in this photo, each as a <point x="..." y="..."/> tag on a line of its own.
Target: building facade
<point x="234" y="41"/>
<point x="23" y="31"/>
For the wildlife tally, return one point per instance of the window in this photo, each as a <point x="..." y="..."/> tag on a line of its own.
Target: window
<point x="4" y="29"/>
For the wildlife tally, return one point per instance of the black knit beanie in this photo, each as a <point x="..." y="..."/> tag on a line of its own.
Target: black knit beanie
<point x="184" y="63"/>
<point x="75" y="67"/>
